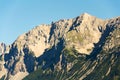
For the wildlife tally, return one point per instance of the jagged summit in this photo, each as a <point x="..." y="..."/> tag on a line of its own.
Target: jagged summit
<point x="85" y="14"/>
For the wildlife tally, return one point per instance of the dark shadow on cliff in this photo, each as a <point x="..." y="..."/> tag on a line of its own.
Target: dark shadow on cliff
<point x="29" y="60"/>
<point x="75" y="23"/>
<point x="53" y="26"/>
<point x="51" y="56"/>
<point x="98" y="46"/>
<point x="9" y="57"/>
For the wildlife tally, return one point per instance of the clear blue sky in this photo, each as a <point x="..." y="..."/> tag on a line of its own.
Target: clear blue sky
<point x="19" y="16"/>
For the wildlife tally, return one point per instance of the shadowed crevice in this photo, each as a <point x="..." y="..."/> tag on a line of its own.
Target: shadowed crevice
<point x="98" y="46"/>
<point x="52" y="56"/>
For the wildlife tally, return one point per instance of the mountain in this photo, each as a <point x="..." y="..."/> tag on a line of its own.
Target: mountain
<point x="82" y="48"/>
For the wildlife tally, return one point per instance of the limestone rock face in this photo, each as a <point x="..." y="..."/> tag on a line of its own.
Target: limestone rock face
<point x="84" y="33"/>
<point x="114" y="38"/>
<point x="36" y="40"/>
<point x="4" y="49"/>
<point x="51" y="46"/>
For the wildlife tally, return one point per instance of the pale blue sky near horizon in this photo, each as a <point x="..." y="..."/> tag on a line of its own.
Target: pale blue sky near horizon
<point x="20" y="16"/>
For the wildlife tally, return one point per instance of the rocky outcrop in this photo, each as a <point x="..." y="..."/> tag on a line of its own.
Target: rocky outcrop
<point x="4" y="49"/>
<point x="36" y="40"/>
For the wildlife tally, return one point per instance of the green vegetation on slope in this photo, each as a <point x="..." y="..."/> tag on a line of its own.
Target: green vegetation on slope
<point x="75" y="37"/>
<point x="3" y="77"/>
<point x="71" y="56"/>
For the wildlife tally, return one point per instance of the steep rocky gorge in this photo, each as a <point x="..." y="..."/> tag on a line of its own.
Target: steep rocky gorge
<point x="71" y="49"/>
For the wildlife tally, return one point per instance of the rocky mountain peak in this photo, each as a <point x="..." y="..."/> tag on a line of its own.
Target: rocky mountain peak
<point x="61" y="45"/>
<point x="85" y="15"/>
